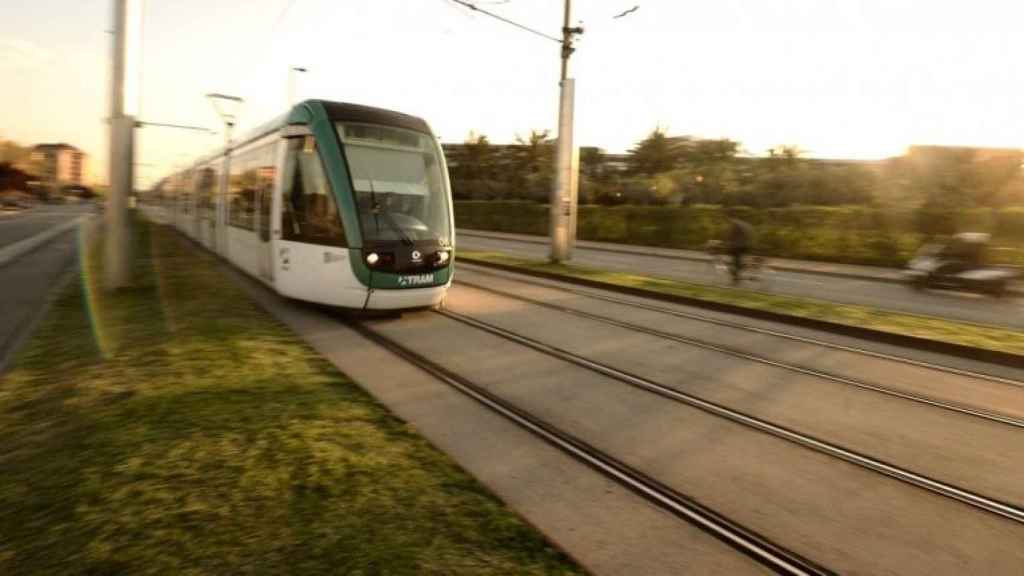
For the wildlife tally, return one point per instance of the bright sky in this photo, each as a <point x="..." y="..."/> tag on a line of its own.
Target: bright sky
<point x="838" y="78"/>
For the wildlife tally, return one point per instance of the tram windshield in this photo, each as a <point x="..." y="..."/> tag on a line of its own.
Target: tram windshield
<point x="398" y="183"/>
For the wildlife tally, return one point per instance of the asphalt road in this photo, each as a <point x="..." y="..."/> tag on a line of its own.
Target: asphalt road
<point x="16" y="226"/>
<point x="1008" y="311"/>
<point x="27" y="282"/>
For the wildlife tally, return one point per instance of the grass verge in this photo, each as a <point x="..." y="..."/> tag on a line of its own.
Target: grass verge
<point x="175" y="428"/>
<point x="977" y="335"/>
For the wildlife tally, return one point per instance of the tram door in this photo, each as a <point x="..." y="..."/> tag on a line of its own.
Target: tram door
<point x="313" y="255"/>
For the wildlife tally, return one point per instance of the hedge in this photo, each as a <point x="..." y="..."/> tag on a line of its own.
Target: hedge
<point x="848" y="234"/>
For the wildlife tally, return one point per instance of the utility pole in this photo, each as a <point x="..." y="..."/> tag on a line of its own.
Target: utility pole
<point x="563" y="194"/>
<point x="117" y="266"/>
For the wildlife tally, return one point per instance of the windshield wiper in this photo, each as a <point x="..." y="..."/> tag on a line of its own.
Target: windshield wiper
<point x="383" y="210"/>
<point x="377" y="209"/>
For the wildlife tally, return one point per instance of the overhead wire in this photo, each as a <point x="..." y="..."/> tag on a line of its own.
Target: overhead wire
<point x="476" y="8"/>
<point x="267" y="46"/>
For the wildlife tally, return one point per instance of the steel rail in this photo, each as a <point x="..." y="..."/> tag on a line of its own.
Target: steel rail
<point x="743" y="539"/>
<point x="757" y="329"/>
<point x="918" y="398"/>
<point x="938" y="487"/>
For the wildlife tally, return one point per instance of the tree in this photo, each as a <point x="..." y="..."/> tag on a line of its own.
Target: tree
<point x="533" y="165"/>
<point x="652" y="155"/>
<point x="536" y="152"/>
<point x="779" y="179"/>
<point x="12" y="178"/>
<point x="478" y="163"/>
<point x="15" y="155"/>
<point x="707" y="171"/>
<point x="943" y="177"/>
<point x="592" y="164"/>
<point x="699" y="153"/>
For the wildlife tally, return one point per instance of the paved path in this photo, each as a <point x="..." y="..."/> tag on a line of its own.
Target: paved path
<point x="873" y="289"/>
<point x="26" y="283"/>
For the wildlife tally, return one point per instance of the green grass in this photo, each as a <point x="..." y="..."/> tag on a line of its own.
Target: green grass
<point x="977" y="335"/>
<point x="175" y="428"/>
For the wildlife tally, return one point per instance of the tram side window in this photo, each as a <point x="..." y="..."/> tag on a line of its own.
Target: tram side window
<point x="242" y="192"/>
<point x="309" y="210"/>
<point x="206" y="187"/>
<point x="265" y="171"/>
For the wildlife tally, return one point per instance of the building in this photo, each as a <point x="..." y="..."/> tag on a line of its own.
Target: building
<point x="61" y="164"/>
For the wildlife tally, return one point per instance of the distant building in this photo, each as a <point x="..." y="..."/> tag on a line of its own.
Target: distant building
<point x="59" y="164"/>
<point x="615" y="162"/>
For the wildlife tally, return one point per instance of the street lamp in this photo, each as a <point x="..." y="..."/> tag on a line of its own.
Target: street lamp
<point x="291" y="83"/>
<point x="227" y="108"/>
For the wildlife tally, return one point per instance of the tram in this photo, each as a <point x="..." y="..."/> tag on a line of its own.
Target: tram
<point x="333" y="203"/>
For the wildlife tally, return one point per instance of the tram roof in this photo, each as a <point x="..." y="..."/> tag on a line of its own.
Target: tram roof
<point x="338" y="111"/>
<point x="346" y="112"/>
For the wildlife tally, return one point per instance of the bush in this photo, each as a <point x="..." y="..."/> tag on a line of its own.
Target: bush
<point x="850" y="234"/>
<point x="1009" y="224"/>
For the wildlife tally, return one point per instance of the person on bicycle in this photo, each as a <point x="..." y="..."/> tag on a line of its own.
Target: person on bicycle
<point x="738" y="244"/>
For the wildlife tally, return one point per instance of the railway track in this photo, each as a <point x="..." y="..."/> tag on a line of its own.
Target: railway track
<point x="947" y="490"/>
<point x="746" y="541"/>
<point x="764" y="550"/>
<point x="559" y="287"/>
<point x="745" y="355"/>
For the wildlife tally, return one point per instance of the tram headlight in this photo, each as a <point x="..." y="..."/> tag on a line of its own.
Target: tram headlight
<point x="372" y="258"/>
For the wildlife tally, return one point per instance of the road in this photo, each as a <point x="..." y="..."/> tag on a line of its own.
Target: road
<point x="855" y="457"/>
<point x="1008" y="311"/>
<point x="26" y="282"/>
<point x="21" y="225"/>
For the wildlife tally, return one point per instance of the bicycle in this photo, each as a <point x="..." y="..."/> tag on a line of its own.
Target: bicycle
<point x="755" y="267"/>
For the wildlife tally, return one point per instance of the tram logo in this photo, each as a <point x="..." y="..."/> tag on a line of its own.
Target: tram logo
<point x="416" y="280"/>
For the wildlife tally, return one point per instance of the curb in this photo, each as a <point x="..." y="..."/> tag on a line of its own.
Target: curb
<point x="22" y="247"/>
<point x="996" y="357"/>
<point x="784" y="268"/>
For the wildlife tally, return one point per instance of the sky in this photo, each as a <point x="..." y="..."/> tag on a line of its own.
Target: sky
<point x="837" y="78"/>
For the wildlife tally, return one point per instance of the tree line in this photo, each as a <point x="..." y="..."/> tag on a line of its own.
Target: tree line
<point x="685" y="170"/>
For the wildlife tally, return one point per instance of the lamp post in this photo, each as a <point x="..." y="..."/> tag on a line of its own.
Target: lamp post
<point x="291" y="83"/>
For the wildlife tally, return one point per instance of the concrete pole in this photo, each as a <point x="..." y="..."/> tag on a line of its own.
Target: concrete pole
<point x="562" y="201"/>
<point x="561" y="195"/>
<point x="117" y="268"/>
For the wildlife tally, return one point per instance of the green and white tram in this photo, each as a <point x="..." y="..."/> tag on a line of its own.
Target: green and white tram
<point x="334" y="203"/>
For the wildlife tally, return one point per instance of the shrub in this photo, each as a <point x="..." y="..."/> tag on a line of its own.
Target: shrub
<point x="851" y="234"/>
